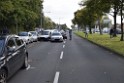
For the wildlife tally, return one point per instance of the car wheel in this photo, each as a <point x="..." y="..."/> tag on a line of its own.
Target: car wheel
<point x="3" y="76"/>
<point x="25" y="64"/>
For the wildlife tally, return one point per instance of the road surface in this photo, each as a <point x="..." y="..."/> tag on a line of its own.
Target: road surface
<point x="72" y="61"/>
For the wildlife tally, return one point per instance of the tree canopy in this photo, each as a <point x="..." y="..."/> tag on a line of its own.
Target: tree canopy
<point x="24" y="14"/>
<point x="96" y="9"/>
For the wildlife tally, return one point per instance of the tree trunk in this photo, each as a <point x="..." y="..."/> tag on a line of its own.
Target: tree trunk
<point x="122" y="35"/>
<point x="99" y="26"/>
<point x="90" y="28"/>
<point x="115" y="15"/>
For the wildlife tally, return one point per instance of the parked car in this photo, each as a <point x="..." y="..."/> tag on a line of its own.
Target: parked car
<point x="56" y="36"/>
<point x="13" y="56"/>
<point x="44" y="35"/>
<point x="34" y="35"/>
<point x="26" y="37"/>
<point x="118" y="31"/>
<point x="105" y="30"/>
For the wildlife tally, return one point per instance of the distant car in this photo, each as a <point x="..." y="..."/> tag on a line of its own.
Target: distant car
<point x="26" y="37"/>
<point x="34" y="35"/>
<point x="56" y="36"/>
<point x="13" y="56"/>
<point x="44" y="35"/>
<point x="118" y="31"/>
<point x="105" y="30"/>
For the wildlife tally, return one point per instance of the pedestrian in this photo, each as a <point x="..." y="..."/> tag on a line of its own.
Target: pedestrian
<point x="111" y="32"/>
<point x="86" y="33"/>
<point x="70" y="34"/>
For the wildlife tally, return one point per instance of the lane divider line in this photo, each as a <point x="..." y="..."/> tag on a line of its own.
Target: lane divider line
<point x="64" y="41"/>
<point x="56" y="77"/>
<point x="61" y="56"/>
<point x="29" y="66"/>
<point x="63" y="46"/>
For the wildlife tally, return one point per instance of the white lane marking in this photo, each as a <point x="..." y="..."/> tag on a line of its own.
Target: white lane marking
<point x="56" y="77"/>
<point x="29" y="66"/>
<point x="64" y="41"/>
<point x="61" y="56"/>
<point x="63" y="46"/>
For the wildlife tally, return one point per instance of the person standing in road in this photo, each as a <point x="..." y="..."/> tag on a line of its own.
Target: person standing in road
<point x="70" y="34"/>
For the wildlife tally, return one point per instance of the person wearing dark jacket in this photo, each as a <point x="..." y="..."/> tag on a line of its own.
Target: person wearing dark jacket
<point x="111" y="32"/>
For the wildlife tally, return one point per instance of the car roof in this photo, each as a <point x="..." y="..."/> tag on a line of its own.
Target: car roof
<point x="55" y="32"/>
<point x="8" y="36"/>
<point x="32" y="31"/>
<point x="23" y="32"/>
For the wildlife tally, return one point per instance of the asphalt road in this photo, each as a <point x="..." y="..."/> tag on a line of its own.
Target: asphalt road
<point x="72" y="61"/>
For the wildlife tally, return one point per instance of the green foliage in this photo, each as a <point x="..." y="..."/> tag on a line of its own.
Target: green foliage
<point x="48" y="23"/>
<point x="84" y="17"/>
<point x="24" y="13"/>
<point x="64" y="27"/>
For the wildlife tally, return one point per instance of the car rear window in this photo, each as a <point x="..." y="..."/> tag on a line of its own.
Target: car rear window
<point x="33" y="32"/>
<point x="54" y="34"/>
<point x="45" y="33"/>
<point x="23" y="34"/>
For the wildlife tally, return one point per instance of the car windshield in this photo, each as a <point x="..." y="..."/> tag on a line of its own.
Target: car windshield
<point x="1" y="44"/>
<point x="56" y="34"/>
<point x="33" y="33"/>
<point x="23" y="34"/>
<point x="45" y="33"/>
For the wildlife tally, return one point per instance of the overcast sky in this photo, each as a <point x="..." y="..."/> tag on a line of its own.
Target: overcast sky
<point x="61" y="11"/>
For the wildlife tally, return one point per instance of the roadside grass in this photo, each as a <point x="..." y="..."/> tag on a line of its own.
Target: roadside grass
<point x="113" y="44"/>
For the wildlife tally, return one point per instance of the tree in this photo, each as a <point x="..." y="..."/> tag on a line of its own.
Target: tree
<point x="84" y="17"/>
<point x="20" y="13"/>
<point x="121" y="13"/>
<point x="48" y="23"/>
<point x="102" y="7"/>
<point x="98" y="7"/>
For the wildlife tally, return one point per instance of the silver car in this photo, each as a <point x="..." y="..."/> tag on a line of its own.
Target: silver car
<point x="44" y="35"/>
<point x="56" y="36"/>
<point x="34" y="35"/>
<point x="26" y="37"/>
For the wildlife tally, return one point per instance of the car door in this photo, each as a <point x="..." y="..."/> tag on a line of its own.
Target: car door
<point x="12" y="55"/>
<point x="21" y="48"/>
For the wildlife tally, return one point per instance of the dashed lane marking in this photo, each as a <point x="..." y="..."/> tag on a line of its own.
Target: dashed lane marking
<point x="56" y="77"/>
<point x="63" y="46"/>
<point x="61" y="56"/>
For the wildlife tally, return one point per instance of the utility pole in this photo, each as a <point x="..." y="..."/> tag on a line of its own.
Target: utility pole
<point x="41" y="15"/>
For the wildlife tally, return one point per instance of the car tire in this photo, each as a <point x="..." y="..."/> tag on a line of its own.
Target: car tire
<point x="25" y="64"/>
<point x="3" y="76"/>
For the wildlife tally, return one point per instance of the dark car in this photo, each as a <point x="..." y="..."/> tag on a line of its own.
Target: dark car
<point x="13" y="56"/>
